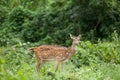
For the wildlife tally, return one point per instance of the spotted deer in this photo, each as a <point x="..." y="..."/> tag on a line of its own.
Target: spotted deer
<point x="59" y="54"/>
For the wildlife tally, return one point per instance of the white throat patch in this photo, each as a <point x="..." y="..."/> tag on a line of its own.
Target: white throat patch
<point x="75" y="48"/>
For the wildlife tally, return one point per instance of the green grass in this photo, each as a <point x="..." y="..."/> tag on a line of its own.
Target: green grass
<point x="27" y="71"/>
<point x="92" y="62"/>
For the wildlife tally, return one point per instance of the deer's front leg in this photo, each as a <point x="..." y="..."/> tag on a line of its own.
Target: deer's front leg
<point x="56" y="66"/>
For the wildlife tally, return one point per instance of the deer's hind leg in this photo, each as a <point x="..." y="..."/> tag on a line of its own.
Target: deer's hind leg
<point x="38" y="66"/>
<point x="62" y="66"/>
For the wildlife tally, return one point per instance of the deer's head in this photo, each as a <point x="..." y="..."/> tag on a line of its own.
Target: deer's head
<point x="75" y="39"/>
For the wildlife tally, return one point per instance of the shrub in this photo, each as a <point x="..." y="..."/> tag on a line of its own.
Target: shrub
<point x="107" y="51"/>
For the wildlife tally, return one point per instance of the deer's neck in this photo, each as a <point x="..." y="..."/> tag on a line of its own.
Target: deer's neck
<point x="72" y="49"/>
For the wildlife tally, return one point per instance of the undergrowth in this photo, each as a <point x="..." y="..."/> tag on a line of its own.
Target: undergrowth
<point x="98" y="61"/>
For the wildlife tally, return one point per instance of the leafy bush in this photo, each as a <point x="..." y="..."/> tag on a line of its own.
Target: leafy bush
<point x="3" y="14"/>
<point x="96" y="53"/>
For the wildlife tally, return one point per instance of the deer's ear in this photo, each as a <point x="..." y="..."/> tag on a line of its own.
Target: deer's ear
<point x="71" y="36"/>
<point x="79" y="36"/>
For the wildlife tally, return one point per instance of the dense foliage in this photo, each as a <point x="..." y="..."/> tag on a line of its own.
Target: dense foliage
<point x="28" y="23"/>
<point x="52" y="21"/>
<point x="108" y="52"/>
